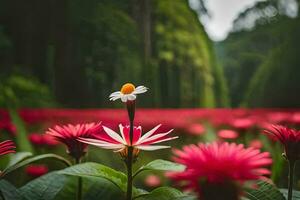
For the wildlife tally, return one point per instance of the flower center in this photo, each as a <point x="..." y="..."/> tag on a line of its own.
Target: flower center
<point x="127" y="88"/>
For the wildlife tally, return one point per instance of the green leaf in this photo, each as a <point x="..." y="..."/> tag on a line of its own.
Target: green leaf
<point x="296" y="194"/>
<point x="95" y="170"/>
<point x="165" y="193"/>
<point x="34" y="159"/>
<point x="43" y="188"/>
<point x="265" y="191"/>
<point x="90" y="169"/>
<point x="93" y="189"/>
<point x="102" y="189"/>
<point x="23" y="143"/>
<point x="18" y="157"/>
<point x="161" y="165"/>
<point x="8" y="191"/>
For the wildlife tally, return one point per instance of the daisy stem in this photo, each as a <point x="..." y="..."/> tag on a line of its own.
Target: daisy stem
<point x="131" y="113"/>
<point x="291" y="179"/>
<point x="79" y="183"/>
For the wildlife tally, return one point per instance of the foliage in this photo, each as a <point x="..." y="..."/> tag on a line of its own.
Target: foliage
<point x="21" y="139"/>
<point x="277" y="77"/>
<point x="185" y="57"/>
<point x="259" y="56"/>
<point x="22" y="91"/>
<point x="161" y="165"/>
<point x="81" y="51"/>
<point x="264" y="191"/>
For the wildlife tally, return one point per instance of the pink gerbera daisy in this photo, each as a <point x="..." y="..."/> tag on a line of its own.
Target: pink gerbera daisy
<point x="220" y="167"/>
<point x="120" y="142"/>
<point x="290" y="138"/>
<point x="69" y="134"/>
<point x="7" y="147"/>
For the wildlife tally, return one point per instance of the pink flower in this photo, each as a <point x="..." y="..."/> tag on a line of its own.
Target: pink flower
<point x="295" y="118"/>
<point x="120" y="143"/>
<point x="36" y="170"/>
<point x="8" y="126"/>
<point x="228" y="134"/>
<point x="196" y="129"/>
<point x="219" y="165"/>
<point x="290" y="138"/>
<point x="152" y="181"/>
<point x="242" y="123"/>
<point x="42" y="140"/>
<point x="7" y="147"/>
<point x="49" y="141"/>
<point x="36" y="139"/>
<point x="70" y="133"/>
<point x="257" y="144"/>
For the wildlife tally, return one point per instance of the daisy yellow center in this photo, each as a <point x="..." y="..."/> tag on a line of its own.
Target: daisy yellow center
<point x="127" y="88"/>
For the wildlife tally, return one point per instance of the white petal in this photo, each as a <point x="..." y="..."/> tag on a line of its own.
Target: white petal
<point x="102" y="145"/>
<point x="148" y="134"/>
<point x="113" y="135"/>
<point x="114" y="98"/>
<point x="131" y="97"/>
<point x="157" y="136"/>
<point x="124" y="98"/>
<point x="166" y="139"/>
<point x="121" y="131"/>
<point x="151" y="148"/>
<point x="90" y="140"/>
<point x="140" y="89"/>
<point x="109" y="147"/>
<point x="114" y="94"/>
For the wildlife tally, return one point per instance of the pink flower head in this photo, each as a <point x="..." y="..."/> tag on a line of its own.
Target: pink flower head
<point x="196" y="129"/>
<point x="36" y="139"/>
<point x="219" y="165"/>
<point x="228" y="134"/>
<point x="7" y="147"/>
<point x="119" y="143"/>
<point x="42" y="140"/>
<point x="290" y="138"/>
<point x="295" y="118"/>
<point x="36" y="170"/>
<point x="152" y="181"/>
<point x="70" y="133"/>
<point x="242" y="123"/>
<point x="257" y="144"/>
<point x="8" y="126"/>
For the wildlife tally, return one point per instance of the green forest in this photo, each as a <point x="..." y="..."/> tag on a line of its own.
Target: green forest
<point x="62" y="53"/>
<point x="261" y="56"/>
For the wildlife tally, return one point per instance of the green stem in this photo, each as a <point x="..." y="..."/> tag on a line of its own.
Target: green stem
<point x="79" y="183"/>
<point x="291" y="179"/>
<point x="129" y="174"/>
<point x="129" y="164"/>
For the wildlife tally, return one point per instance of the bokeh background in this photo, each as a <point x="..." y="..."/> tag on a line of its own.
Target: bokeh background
<point x="62" y="53"/>
<point x="65" y="57"/>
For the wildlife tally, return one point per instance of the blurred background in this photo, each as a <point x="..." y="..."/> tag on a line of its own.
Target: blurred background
<point x="190" y="53"/>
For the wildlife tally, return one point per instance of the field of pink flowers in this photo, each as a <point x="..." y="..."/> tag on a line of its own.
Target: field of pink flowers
<point x="134" y="153"/>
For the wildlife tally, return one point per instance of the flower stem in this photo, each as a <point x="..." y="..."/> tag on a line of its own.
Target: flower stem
<point x="129" y="164"/>
<point x="79" y="183"/>
<point x="129" y="174"/>
<point x="129" y="161"/>
<point x="291" y="179"/>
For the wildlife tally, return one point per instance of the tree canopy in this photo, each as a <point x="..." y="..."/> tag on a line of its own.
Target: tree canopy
<point x="84" y="50"/>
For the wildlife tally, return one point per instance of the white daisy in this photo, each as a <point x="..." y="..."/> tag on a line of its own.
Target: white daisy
<point x="128" y="92"/>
